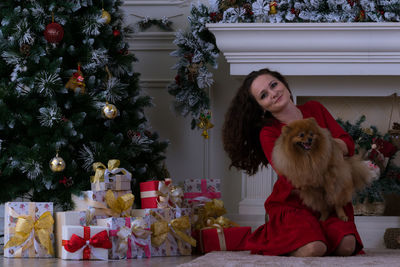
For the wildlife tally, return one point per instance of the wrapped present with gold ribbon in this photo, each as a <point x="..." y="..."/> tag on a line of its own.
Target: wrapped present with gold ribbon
<point x="28" y="230"/>
<point x="111" y="177"/>
<point x="217" y="238"/>
<point x="112" y="203"/>
<point x="83" y="218"/>
<point x="160" y="194"/>
<point x="85" y="242"/>
<point x="171" y="231"/>
<point x="130" y="237"/>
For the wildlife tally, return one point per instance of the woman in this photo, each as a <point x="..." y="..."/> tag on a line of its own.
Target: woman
<point x="262" y="105"/>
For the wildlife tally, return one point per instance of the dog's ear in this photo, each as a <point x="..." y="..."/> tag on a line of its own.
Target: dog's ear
<point x="286" y="129"/>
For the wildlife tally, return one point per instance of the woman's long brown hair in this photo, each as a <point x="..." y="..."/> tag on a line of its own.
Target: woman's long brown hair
<point x="243" y="123"/>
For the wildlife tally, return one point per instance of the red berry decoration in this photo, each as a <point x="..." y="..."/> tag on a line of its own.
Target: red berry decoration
<point x="116" y="33"/>
<point x="54" y="33"/>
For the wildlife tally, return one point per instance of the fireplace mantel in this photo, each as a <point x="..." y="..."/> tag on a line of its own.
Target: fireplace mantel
<point x="310" y="48"/>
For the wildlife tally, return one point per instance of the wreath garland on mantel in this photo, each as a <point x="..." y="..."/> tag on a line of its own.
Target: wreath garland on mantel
<point x="197" y="49"/>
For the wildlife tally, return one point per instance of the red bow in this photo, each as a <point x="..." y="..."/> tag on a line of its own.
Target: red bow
<point x="99" y="240"/>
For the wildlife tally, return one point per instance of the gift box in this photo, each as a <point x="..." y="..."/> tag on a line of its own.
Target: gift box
<point x="160" y="194"/>
<point x="83" y="218"/>
<point x="110" y="178"/>
<point x="224" y="239"/>
<point x="130" y="237"/>
<point x="201" y="190"/>
<point x="171" y="232"/>
<point x="97" y="200"/>
<point x="85" y="242"/>
<point x="27" y="219"/>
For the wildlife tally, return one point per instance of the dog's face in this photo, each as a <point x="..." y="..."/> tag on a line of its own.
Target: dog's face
<point x="302" y="134"/>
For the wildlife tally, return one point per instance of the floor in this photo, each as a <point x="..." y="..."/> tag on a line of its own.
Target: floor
<point x="154" y="262"/>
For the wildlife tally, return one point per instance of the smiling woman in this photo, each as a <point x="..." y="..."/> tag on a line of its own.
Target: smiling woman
<point x="260" y="108"/>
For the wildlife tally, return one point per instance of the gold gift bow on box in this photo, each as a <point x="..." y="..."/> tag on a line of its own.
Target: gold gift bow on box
<point x="210" y="210"/>
<point x="161" y="228"/>
<point x="27" y="228"/>
<point x="113" y="169"/>
<point x="136" y="231"/>
<point x="116" y="207"/>
<point x="99" y="169"/>
<point x="167" y="194"/>
<point x="102" y="172"/>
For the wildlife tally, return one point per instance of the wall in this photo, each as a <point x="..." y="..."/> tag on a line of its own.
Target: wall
<point x="188" y="155"/>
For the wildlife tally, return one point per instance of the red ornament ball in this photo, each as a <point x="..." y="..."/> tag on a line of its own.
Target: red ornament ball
<point x="116" y="33"/>
<point x="54" y="33"/>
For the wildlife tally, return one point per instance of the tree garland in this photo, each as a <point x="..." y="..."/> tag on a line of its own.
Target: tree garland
<point x="197" y="48"/>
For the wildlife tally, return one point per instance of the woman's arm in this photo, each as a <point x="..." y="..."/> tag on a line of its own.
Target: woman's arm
<point x="341" y="136"/>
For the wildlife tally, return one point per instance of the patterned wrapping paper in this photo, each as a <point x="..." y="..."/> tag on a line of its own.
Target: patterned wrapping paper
<point x="85" y="242"/>
<point x="130" y="237"/>
<point x="117" y="182"/>
<point x="36" y="210"/>
<point x="200" y="190"/>
<point x="172" y="246"/>
<point x="83" y="218"/>
<point x="100" y="197"/>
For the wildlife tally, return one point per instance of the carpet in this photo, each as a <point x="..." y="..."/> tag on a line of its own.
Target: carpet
<point x="373" y="257"/>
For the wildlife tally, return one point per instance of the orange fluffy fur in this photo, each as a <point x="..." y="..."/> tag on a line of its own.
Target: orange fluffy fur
<point x="313" y="162"/>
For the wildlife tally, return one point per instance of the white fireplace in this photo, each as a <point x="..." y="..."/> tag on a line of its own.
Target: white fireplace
<point x="321" y="60"/>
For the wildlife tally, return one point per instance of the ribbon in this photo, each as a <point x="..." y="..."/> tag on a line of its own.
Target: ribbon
<point x="28" y="231"/>
<point x="220" y="234"/>
<point x="194" y="196"/>
<point x="113" y="169"/>
<point x="132" y="232"/>
<point x="99" y="169"/>
<point x="169" y="196"/>
<point x="121" y="204"/>
<point x="93" y="208"/>
<point x="99" y="240"/>
<point x="209" y="211"/>
<point x="161" y="229"/>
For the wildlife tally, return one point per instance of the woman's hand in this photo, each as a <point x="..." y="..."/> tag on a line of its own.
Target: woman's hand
<point x="342" y="145"/>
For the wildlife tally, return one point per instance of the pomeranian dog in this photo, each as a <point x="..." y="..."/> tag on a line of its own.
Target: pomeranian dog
<point x="313" y="162"/>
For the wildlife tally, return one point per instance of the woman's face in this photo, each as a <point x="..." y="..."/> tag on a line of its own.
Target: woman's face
<point x="271" y="94"/>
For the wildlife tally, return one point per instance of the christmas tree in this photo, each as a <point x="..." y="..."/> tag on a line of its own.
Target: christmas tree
<point x="68" y="93"/>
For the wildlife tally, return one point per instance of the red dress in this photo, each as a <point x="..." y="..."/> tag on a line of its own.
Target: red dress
<point x="291" y="224"/>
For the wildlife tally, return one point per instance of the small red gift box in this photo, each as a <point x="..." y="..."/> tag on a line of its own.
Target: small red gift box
<point x="228" y="239"/>
<point x="148" y="194"/>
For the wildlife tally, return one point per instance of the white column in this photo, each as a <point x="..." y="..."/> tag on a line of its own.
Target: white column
<point x="255" y="190"/>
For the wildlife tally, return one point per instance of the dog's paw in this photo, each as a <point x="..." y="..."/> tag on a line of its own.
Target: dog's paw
<point x="344" y="218"/>
<point x="324" y="216"/>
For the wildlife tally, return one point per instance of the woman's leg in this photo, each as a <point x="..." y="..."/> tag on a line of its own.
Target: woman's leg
<point x="346" y="246"/>
<point x="312" y="249"/>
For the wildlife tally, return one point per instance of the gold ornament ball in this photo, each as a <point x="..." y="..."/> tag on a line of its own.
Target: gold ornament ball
<point x="106" y="15"/>
<point x="57" y="164"/>
<point x="110" y="111"/>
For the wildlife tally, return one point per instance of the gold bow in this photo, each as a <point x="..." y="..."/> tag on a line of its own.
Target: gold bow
<point x="167" y="194"/>
<point x="211" y="210"/>
<point x="121" y="204"/>
<point x="99" y="169"/>
<point x="42" y="228"/>
<point x="161" y="228"/>
<point x="138" y="228"/>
